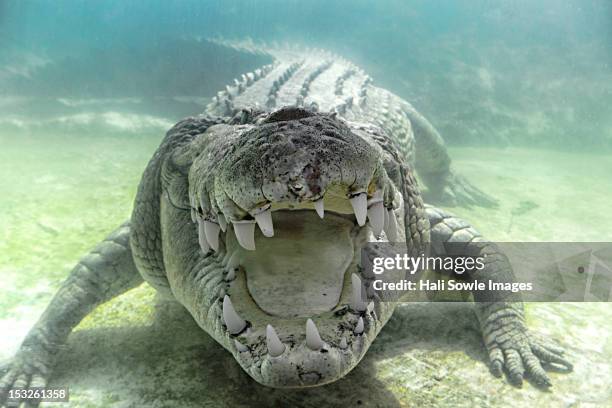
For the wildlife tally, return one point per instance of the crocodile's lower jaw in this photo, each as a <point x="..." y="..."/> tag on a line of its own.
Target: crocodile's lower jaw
<point x="292" y="312"/>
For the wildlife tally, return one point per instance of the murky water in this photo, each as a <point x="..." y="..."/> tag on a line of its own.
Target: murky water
<point x="521" y="92"/>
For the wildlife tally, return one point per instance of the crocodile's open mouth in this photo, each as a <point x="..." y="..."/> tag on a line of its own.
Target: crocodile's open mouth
<point x="286" y="206"/>
<point x="305" y="263"/>
<point x="296" y="306"/>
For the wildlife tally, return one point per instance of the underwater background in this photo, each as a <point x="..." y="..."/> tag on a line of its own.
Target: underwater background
<point x="520" y="90"/>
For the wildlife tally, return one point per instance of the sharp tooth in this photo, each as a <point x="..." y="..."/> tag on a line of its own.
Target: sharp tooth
<point x="245" y="233"/>
<point x="240" y="347"/>
<point x="264" y="220"/>
<point x="376" y="197"/>
<point x="202" y="236"/>
<point x="376" y="215"/>
<point x="222" y="222"/>
<point x="275" y="346"/>
<point x="313" y="339"/>
<point x="234" y="261"/>
<point x="391" y="229"/>
<point x="235" y="324"/>
<point x="231" y="275"/>
<point x="357" y="303"/>
<point x="343" y="343"/>
<point x="360" y="207"/>
<point x="318" y="205"/>
<point x="194" y="215"/>
<point x="212" y="234"/>
<point x="359" y="326"/>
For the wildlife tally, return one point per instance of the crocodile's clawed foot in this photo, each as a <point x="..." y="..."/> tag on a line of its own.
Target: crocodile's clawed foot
<point x="23" y="371"/>
<point x="514" y="350"/>
<point x="458" y="191"/>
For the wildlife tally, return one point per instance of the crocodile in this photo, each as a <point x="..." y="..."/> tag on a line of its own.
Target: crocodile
<point x="253" y="217"/>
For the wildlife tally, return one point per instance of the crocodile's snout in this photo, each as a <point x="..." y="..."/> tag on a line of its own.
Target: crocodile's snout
<point x="286" y="204"/>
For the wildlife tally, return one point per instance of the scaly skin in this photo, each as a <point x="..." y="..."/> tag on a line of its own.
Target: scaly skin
<point x="506" y="337"/>
<point x="194" y="235"/>
<point x="323" y="81"/>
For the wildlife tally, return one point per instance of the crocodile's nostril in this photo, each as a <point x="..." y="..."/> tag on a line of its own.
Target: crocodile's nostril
<point x="297" y="188"/>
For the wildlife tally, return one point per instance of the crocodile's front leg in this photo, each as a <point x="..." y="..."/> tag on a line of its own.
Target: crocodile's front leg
<point x="107" y="271"/>
<point x="509" y="343"/>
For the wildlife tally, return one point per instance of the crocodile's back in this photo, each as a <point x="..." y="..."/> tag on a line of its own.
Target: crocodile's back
<point x="322" y="81"/>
